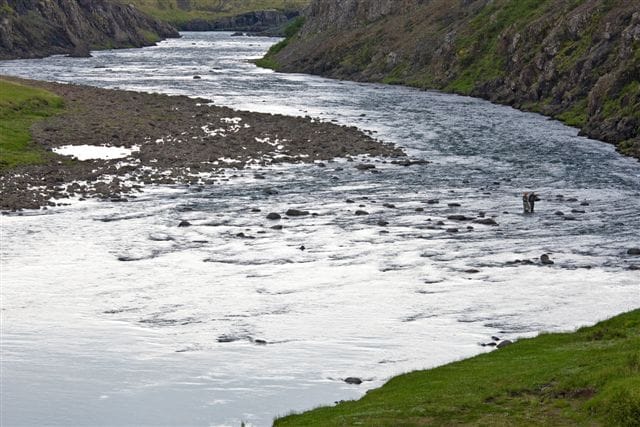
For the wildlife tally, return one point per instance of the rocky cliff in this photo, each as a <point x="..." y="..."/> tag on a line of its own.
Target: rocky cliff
<point x="264" y="21"/>
<point x="578" y="61"/>
<point x="37" y="28"/>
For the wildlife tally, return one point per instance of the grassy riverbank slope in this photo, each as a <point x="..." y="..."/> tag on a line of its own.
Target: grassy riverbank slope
<point x="20" y="107"/>
<point x="181" y="12"/>
<point x="590" y="377"/>
<point x="577" y="61"/>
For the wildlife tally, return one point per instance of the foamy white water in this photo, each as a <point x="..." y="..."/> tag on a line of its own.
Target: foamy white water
<point x="114" y="315"/>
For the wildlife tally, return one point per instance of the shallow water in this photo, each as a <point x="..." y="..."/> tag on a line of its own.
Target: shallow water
<point x="114" y="315"/>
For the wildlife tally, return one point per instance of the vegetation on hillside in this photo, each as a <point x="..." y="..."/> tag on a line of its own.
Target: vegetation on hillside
<point x="20" y="107"/>
<point x="290" y="31"/>
<point x="589" y="377"/>
<point x="178" y="12"/>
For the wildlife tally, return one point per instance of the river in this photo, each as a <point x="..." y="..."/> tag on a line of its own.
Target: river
<point x="113" y="315"/>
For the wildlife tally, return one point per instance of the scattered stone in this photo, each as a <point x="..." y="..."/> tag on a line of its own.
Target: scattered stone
<point x="472" y="271"/>
<point x="572" y="199"/>
<point x="458" y="218"/>
<point x="545" y="260"/>
<point x="365" y="166"/>
<point x="389" y="205"/>
<point x="350" y="201"/>
<point x="408" y="162"/>
<point x="440" y="223"/>
<point x="296" y="212"/>
<point x="577" y="211"/>
<point x="184" y="224"/>
<point x="493" y="337"/>
<point x="353" y="380"/>
<point x="260" y="342"/>
<point x="504" y="343"/>
<point x="273" y="216"/>
<point x="359" y="213"/>
<point x="196" y="77"/>
<point x="433" y="201"/>
<point x="277" y="227"/>
<point x="255" y="210"/>
<point x="585" y="203"/>
<point x="302" y="248"/>
<point x="486" y="221"/>
<point x="633" y="251"/>
<point x="419" y="209"/>
<point x="454" y="205"/>
<point x="559" y="213"/>
<point x="452" y="230"/>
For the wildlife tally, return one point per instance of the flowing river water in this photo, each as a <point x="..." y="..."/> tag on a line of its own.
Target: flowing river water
<point x="114" y="315"/>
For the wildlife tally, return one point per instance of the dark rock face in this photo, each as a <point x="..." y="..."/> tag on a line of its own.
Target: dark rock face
<point x="564" y="60"/>
<point x="38" y="28"/>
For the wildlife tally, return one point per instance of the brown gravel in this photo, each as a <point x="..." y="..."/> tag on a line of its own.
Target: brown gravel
<point x="168" y="130"/>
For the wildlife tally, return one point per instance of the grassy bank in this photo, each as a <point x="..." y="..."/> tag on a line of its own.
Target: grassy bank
<point x="291" y="30"/>
<point x="20" y="107"/>
<point x="178" y="13"/>
<point x="590" y="377"/>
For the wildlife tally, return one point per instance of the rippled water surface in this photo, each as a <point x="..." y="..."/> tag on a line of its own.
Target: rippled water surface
<point x="114" y="315"/>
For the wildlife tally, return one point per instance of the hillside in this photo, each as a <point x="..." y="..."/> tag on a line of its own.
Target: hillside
<point x="232" y="15"/>
<point x="37" y="28"/>
<point x="590" y="377"/>
<point x="578" y="61"/>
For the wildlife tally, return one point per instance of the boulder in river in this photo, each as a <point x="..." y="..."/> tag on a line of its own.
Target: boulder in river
<point x="353" y="380"/>
<point x="184" y="224"/>
<point x="365" y="166"/>
<point x="296" y="212"/>
<point x="458" y="218"/>
<point x="360" y="213"/>
<point x="486" y="221"/>
<point x="633" y="251"/>
<point x="273" y="216"/>
<point x="545" y="260"/>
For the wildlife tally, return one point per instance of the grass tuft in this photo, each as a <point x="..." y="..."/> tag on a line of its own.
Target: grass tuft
<point x="20" y="107"/>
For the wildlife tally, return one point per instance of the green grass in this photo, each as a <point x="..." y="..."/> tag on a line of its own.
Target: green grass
<point x="590" y="377"/>
<point x="20" y="107"/>
<point x="210" y="10"/>
<point x="290" y="31"/>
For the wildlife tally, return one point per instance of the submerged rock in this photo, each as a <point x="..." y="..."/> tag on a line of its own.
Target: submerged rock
<point x="296" y="212"/>
<point x="545" y="260"/>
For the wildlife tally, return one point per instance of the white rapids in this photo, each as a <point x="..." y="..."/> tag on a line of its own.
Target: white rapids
<point x="112" y="314"/>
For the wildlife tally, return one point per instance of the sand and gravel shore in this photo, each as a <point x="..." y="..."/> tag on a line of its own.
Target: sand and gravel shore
<point x="168" y="140"/>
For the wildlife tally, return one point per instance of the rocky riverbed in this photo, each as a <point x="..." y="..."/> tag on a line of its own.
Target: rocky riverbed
<point x="166" y="140"/>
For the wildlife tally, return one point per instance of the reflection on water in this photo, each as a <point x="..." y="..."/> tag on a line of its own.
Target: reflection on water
<point x="112" y="314"/>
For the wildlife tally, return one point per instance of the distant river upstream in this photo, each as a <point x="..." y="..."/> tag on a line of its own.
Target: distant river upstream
<point x="114" y="315"/>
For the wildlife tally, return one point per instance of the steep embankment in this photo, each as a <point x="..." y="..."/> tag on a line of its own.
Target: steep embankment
<point x="578" y="61"/>
<point x="37" y="28"/>
<point x="223" y="15"/>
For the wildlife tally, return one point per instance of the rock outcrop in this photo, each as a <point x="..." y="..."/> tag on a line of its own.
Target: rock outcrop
<point x="575" y="61"/>
<point x="38" y="28"/>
